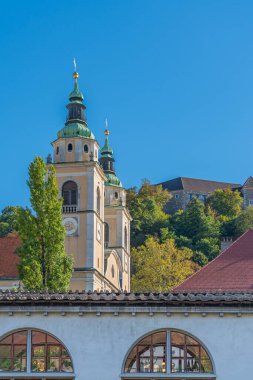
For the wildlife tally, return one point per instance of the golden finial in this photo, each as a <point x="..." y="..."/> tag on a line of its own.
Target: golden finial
<point x="75" y="75"/>
<point x="106" y="128"/>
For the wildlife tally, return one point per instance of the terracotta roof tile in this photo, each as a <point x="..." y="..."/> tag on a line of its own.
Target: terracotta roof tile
<point x="232" y="270"/>
<point x="8" y="258"/>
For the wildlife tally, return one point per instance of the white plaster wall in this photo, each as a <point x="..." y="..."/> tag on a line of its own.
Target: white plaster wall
<point x="98" y="344"/>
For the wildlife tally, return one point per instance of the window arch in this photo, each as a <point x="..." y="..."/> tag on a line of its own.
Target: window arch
<point x="98" y="200"/>
<point x="69" y="193"/>
<point x="107" y="234"/>
<point x="170" y="352"/>
<point x="31" y="351"/>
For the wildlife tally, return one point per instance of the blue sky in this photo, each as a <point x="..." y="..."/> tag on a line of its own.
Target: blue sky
<point x="174" y="79"/>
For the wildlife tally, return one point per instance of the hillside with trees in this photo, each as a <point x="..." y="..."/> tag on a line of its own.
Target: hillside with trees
<point x="166" y="249"/>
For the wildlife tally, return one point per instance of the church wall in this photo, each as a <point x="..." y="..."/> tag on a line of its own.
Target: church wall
<point x="99" y="342"/>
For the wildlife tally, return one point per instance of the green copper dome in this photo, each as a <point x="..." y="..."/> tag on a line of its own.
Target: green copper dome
<point x="76" y="130"/>
<point x="112" y="180"/>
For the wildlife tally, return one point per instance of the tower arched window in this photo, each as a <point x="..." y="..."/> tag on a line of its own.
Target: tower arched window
<point x="70" y="147"/>
<point x="98" y="201"/>
<point x="69" y="193"/>
<point x="125" y="238"/>
<point x="30" y="351"/>
<point x="107" y="234"/>
<point x="173" y="353"/>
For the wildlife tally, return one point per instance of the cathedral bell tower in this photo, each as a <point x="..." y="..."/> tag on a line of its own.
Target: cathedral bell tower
<point x="81" y="184"/>
<point x="117" y="217"/>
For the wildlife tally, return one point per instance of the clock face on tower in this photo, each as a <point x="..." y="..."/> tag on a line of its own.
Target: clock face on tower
<point x="71" y="226"/>
<point x="98" y="231"/>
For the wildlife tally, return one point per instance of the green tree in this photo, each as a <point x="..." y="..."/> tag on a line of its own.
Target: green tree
<point x="8" y="220"/>
<point x="243" y="222"/>
<point x="225" y="203"/>
<point x="160" y="267"/>
<point x="44" y="263"/>
<point x="146" y="208"/>
<point x="194" y="223"/>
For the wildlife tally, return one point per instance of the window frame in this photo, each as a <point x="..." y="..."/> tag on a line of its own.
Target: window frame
<point x="29" y="373"/>
<point x="168" y="374"/>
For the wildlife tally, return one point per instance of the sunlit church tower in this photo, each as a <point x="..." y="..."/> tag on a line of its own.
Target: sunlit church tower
<point x="94" y="204"/>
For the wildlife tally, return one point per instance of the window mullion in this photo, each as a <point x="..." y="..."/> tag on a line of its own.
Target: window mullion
<point x="168" y="353"/>
<point x="29" y="352"/>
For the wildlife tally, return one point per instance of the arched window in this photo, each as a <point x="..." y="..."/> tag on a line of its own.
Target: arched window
<point x="98" y="200"/>
<point x="170" y="352"/>
<point x="85" y="148"/>
<point x="70" y="147"/>
<point x="30" y="351"/>
<point x="125" y="238"/>
<point x="69" y="193"/>
<point x="107" y="234"/>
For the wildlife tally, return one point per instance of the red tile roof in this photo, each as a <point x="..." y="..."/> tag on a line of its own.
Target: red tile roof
<point x="8" y="257"/>
<point x="232" y="270"/>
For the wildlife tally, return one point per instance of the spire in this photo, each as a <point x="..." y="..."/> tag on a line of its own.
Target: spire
<point x="76" y="95"/>
<point x="107" y="161"/>
<point x="106" y="151"/>
<point x="76" y="125"/>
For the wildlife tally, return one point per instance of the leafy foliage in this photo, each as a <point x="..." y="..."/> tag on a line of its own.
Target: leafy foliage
<point x="243" y="222"/>
<point x="8" y="220"/>
<point x="146" y="208"/>
<point x="160" y="267"/>
<point x="44" y="263"/>
<point x="225" y="203"/>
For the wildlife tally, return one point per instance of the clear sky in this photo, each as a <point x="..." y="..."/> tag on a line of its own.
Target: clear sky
<point x="174" y="79"/>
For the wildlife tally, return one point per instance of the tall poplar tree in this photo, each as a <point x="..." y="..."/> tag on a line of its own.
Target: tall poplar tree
<point x="44" y="263"/>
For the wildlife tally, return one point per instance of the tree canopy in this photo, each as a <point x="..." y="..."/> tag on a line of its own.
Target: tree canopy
<point x="44" y="263"/>
<point x="8" y="220"/>
<point x="160" y="267"/>
<point x="225" y="203"/>
<point x="146" y="207"/>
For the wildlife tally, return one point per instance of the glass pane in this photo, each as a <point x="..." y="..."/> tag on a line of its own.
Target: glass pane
<point x="192" y="351"/>
<point x="177" y="365"/>
<point x="66" y="365"/>
<point x="5" y="364"/>
<point x="19" y="364"/>
<point x="144" y="351"/>
<point x="53" y="364"/>
<point x="20" y="337"/>
<point x="159" y="365"/>
<point x="145" y="364"/>
<point x="5" y="351"/>
<point x="38" y="337"/>
<point x="206" y="365"/>
<point x="159" y="338"/>
<point x="159" y="351"/>
<point x="190" y="340"/>
<point x="38" y="365"/>
<point x="54" y="351"/>
<point x="19" y="351"/>
<point x="51" y="339"/>
<point x="177" y="338"/>
<point x="7" y="340"/>
<point x="192" y="365"/>
<point x="38" y="351"/>
<point x="177" y="351"/>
